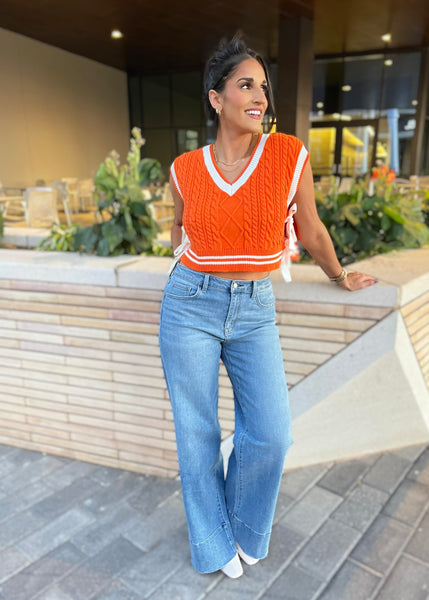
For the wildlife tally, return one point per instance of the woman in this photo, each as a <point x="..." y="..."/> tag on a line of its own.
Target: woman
<point x="232" y="200"/>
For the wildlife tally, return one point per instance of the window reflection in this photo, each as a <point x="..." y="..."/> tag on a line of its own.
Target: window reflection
<point x="378" y="90"/>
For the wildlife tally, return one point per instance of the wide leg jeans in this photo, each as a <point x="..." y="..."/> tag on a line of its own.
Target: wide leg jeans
<point x="205" y="319"/>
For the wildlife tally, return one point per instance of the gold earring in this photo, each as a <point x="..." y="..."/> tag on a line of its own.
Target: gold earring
<point x="218" y="111"/>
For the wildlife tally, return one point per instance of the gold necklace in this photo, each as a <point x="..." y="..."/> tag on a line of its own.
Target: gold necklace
<point x="217" y="159"/>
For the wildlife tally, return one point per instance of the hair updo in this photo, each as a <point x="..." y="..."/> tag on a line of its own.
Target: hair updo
<point x="221" y="66"/>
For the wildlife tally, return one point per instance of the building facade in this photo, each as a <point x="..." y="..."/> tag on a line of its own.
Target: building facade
<point x="366" y="109"/>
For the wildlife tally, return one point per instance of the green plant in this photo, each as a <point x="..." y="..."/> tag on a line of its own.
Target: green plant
<point x="160" y="250"/>
<point x="362" y="225"/>
<point x="61" y="238"/>
<point x="127" y="225"/>
<point x="425" y="206"/>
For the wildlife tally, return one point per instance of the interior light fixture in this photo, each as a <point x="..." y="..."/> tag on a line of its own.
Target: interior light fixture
<point x="319" y="105"/>
<point x="410" y="125"/>
<point x="415" y="102"/>
<point x="388" y="62"/>
<point x="320" y="113"/>
<point x="387" y="37"/>
<point x="116" y="34"/>
<point x="346" y="88"/>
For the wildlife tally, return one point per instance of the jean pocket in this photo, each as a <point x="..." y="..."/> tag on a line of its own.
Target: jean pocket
<point x="180" y="289"/>
<point x="265" y="297"/>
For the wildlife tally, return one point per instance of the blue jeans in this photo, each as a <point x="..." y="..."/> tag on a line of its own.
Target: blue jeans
<point x="205" y="319"/>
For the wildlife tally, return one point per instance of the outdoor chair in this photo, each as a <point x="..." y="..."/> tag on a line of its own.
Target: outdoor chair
<point x="71" y="183"/>
<point x="345" y="185"/>
<point x="163" y="209"/>
<point x="4" y="202"/>
<point x="62" y="197"/>
<point x="85" y="190"/>
<point x="420" y="182"/>
<point x="325" y="185"/>
<point x="41" y="207"/>
<point x="11" y="200"/>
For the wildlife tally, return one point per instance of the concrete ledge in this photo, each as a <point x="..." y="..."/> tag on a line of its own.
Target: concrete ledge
<point x="408" y="270"/>
<point x="402" y="275"/>
<point x="149" y="272"/>
<point x="24" y="237"/>
<point x="60" y="267"/>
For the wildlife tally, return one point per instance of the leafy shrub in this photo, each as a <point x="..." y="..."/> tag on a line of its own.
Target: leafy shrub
<point x="125" y="222"/>
<point x="425" y="206"/>
<point x="61" y="238"/>
<point x="362" y="225"/>
<point x="160" y="250"/>
<point x="130" y="228"/>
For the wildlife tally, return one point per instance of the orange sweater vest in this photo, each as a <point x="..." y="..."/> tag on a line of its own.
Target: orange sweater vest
<point x="239" y="226"/>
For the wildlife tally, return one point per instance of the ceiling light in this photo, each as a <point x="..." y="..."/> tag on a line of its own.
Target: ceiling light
<point x="415" y="102"/>
<point x="346" y="88"/>
<point x="386" y="37"/>
<point x="319" y="105"/>
<point x="388" y="62"/>
<point x="116" y="34"/>
<point x="320" y="113"/>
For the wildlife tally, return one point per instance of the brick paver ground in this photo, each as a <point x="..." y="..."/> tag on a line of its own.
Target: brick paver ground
<point x="355" y="530"/>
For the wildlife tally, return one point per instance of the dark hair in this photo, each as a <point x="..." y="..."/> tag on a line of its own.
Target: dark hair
<point x="221" y="65"/>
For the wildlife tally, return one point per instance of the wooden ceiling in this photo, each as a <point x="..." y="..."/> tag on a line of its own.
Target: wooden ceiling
<point x="166" y="34"/>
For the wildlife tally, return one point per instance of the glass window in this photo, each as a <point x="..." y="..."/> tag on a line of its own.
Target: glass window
<point x="424" y="164"/>
<point x="156" y="100"/>
<point x="134" y="91"/>
<point x="362" y="86"/>
<point x="357" y="150"/>
<point x="327" y="78"/>
<point x="400" y="80"/>
<point x="321" y="141"/>
<point x="186" y="99"/>
<point x="158" y="145"/>
<point x="187" y="139"/>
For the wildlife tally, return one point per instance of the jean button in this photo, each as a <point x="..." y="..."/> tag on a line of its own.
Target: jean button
<point x="235" y="285"/>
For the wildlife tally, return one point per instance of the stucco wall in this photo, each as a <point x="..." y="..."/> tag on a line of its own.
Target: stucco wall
<point x="59" y="113"/>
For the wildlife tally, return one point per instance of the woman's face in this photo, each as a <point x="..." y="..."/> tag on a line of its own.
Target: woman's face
<point x="243" y="100"/>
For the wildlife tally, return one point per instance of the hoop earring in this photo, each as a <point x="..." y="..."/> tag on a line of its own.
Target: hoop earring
<point x="218" y="111"/>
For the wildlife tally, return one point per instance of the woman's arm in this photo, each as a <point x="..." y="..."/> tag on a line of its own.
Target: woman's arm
<point x="176" y="228"/>
<point x="315" y="238"/>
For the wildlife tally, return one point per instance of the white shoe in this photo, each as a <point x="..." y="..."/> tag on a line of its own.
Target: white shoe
<point x="233" y="568"/>
<point x="249" y="560"/>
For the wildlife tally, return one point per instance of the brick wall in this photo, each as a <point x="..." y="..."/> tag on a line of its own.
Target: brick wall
<point x="81" y="376"/>
<point x="416" y="317"/>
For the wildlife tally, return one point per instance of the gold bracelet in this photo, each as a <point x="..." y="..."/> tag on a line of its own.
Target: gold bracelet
<point x="339" y="278"/>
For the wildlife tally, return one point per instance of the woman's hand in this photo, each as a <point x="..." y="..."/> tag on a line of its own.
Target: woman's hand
<point x="357" y="281"/>
<point x="315" y="237"/>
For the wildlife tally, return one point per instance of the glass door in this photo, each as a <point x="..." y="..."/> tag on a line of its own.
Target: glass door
<point x="322" y="143"/>
<point x="345" y="148"/>
<point x="357" y="150"/>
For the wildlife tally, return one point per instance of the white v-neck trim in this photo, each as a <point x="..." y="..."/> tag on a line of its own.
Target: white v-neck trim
<point x="225" y="186"/>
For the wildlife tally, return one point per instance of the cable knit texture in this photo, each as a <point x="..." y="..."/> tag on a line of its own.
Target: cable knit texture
<point x="239" y="226"/>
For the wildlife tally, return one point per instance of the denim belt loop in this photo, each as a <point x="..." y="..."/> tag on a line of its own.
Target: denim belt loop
<point x="254" y="289"/>
<point x="205" y="283"/>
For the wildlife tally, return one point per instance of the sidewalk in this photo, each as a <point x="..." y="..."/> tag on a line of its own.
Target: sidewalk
<point x="357" y="530"/>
